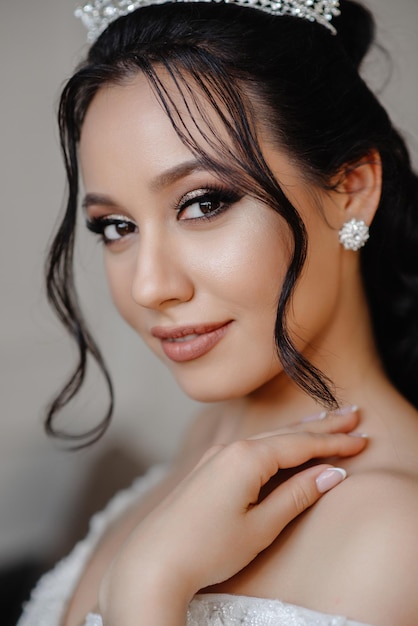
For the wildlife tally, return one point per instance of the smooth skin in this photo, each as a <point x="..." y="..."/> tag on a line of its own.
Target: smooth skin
<point x="238" y="527"/>
<point x="128" y="595"/>
<point x="355" y="552"/>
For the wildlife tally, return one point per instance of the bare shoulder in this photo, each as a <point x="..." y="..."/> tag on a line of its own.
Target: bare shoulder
<point x="371" y="547"/>
<point x="384" y="506"/>
<point x="386" y="500"/>
<point x="380" y="487"/>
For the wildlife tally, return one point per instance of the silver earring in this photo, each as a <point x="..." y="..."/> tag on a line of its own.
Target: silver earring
<point x="354" y="234"/>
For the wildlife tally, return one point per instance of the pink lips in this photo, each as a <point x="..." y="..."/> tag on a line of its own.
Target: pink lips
<point x="187" y="343"/>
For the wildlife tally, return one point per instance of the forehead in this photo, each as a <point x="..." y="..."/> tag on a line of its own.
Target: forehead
<point x="127" y="131"/>
<point x="132" y="112"/>
<point x="127" y="119"/>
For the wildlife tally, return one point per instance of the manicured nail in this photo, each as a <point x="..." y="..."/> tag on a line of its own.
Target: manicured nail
<point x="330" y="478"/>
<point x="345" y="410"/>
<point x="313" y="418"/>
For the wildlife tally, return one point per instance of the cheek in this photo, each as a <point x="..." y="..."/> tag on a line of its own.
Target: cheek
<point x="245" y="264"/>
<point x="119" y="272"/>
<point x="317" y="292"/>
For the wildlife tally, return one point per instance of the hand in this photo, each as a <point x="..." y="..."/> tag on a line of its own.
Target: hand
<point x="213" y="524"/>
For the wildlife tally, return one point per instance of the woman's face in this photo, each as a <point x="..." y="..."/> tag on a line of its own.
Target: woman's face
<point x="195" y="267"/>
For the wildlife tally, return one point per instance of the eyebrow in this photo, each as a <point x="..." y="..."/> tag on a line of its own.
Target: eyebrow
<point x="163" y="180"/>
<point x="92" y="199"/>
<point x="174" y="174"/>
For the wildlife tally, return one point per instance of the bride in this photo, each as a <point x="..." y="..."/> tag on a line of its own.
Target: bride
<point x="258" y="215"/>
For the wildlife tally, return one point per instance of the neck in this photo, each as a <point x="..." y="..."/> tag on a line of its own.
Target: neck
<point x="345" y="352"/>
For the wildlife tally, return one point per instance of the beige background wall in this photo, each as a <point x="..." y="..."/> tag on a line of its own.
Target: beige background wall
<point x="40" y="485"/>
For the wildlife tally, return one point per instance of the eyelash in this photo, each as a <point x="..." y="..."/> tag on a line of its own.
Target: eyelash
<point x="98" y="225"/>
<point x="220" y="195"/>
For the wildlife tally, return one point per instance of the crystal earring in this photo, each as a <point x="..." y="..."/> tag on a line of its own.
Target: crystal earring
<point x="354" y="234"/>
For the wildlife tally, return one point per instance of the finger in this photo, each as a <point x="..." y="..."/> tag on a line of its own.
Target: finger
<point x="292" y="498"/>
<point x="345" y="410"/>
<point x="265" y="457"/>
<point x="333" y="422"/>
<point x="297" y="448"/>
<point x="257" y="461"/>
<point x="319" y="423"/>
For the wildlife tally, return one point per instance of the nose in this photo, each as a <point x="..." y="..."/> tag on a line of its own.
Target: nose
<point x="161" y="277"/>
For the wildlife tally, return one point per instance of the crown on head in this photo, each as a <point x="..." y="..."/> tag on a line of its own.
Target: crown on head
<point x="98" y="14"/>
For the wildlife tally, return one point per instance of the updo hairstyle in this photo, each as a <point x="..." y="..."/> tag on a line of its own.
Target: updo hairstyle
<point x="302" y="85"/>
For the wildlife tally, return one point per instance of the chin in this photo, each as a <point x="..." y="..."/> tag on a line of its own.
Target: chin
<point x="208" y="393"/>
<point x="220" y="387"/>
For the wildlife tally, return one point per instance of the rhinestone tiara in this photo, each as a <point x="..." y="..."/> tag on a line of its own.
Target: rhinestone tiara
<point x="96" y="15"/>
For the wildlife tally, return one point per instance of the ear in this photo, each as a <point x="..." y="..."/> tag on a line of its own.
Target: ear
<point x="360" y="186"/>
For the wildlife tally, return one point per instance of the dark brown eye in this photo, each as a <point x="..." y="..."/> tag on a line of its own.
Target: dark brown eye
<point x="206" y="203"/>
<point x="112" y="228"/>
<point x="199" y="208"/>
<point x="117" y="230"/>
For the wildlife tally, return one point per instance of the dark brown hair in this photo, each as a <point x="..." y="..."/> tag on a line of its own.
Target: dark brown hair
<point x="308" y="92"/>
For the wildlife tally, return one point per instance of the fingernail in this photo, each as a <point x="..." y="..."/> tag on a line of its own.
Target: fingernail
<point x="313" y="418"/>
<point x="330" y="478"/>
<point x="345" y="410"/>
<point x="362" y="435"/>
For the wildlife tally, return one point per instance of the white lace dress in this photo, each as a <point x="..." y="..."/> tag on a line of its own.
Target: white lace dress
<point x="50" y="597"/>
